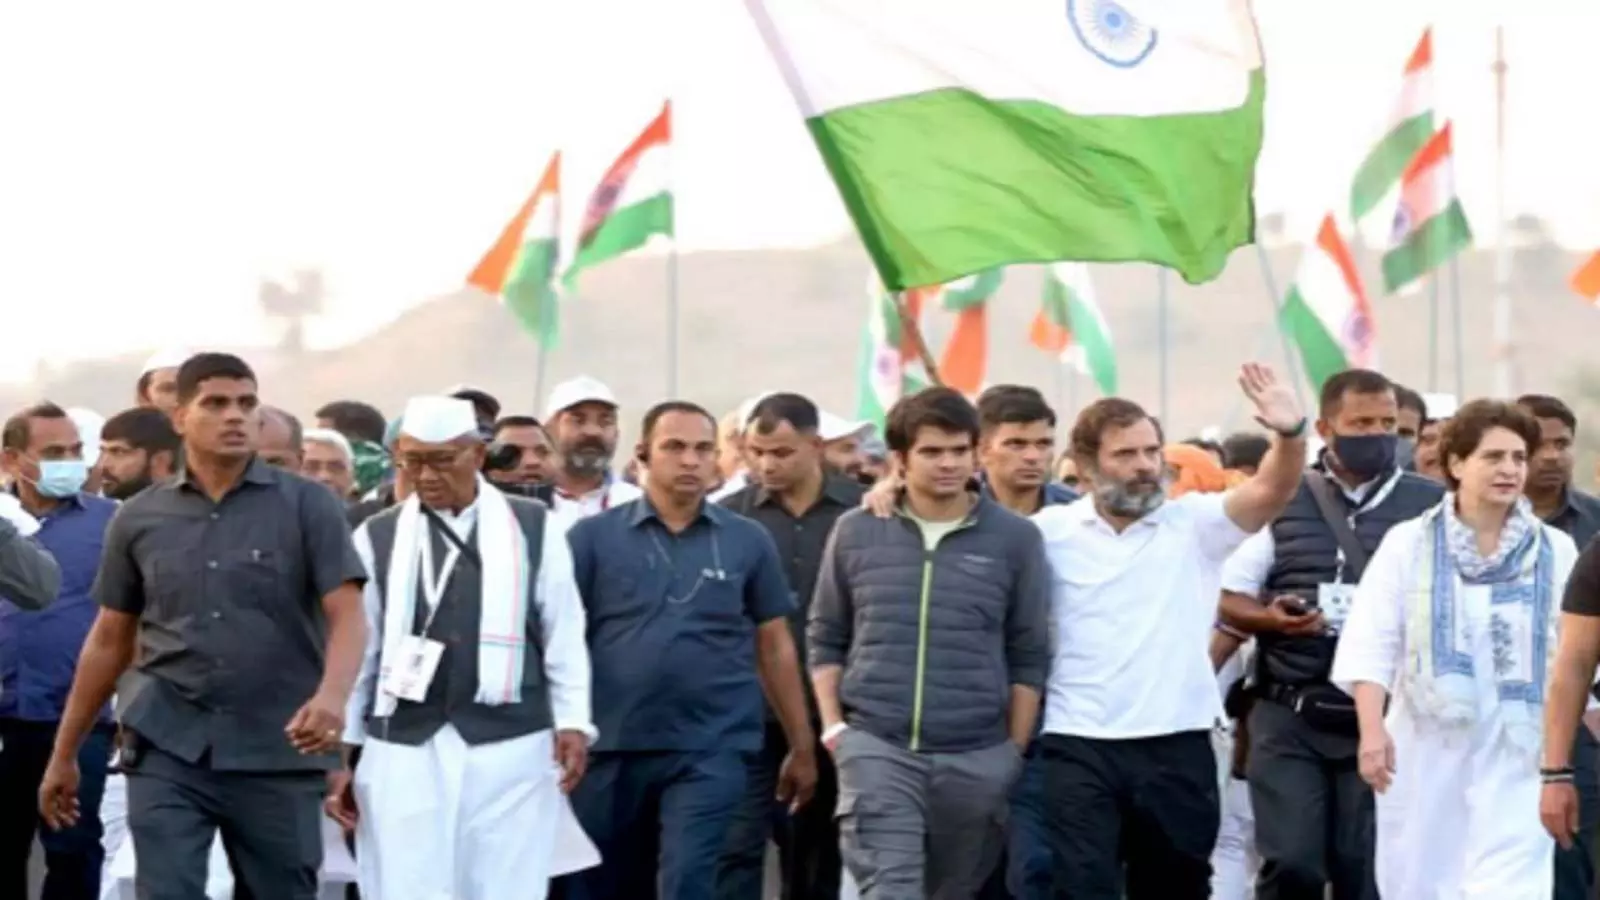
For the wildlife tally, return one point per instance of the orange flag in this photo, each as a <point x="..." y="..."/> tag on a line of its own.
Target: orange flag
<point x="1586" y="281"/>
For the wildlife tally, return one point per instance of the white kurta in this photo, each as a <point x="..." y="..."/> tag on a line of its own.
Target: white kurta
<point x="448" y="821"/>
<point x="1461" y="819"/>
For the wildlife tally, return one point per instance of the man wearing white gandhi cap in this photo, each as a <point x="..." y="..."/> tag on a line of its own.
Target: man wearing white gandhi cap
<point x="158" y="380"/>
<point x="472" y="706"/>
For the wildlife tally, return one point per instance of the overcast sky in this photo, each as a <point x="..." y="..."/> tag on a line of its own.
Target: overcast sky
<point x="160" y="156"/>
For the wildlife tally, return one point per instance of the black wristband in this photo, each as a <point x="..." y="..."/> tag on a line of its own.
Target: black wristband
<point x="1298" y="430"/>
<point x="1557" y="770"/>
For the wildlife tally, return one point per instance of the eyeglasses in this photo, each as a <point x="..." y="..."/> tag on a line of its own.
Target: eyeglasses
<point x="438" y="462"/>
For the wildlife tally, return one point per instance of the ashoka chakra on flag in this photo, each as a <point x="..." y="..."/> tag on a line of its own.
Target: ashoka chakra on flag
<point x="1111" y="32"/>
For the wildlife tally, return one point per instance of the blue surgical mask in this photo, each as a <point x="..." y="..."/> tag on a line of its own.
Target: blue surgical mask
<point x="62" y="478"/>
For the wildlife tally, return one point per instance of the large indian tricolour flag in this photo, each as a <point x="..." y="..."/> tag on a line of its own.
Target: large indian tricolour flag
<point x="966" y="135"/>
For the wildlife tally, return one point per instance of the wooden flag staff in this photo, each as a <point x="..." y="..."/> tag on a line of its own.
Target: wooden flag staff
<point x="912" y="331"/>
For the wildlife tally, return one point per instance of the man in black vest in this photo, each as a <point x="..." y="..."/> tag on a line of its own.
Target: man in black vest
<point x="1290" y="586"/>
<point x="472" y="708"/>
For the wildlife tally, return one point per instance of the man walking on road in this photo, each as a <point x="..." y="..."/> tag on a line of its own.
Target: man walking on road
<point x="929" y="639"/>
<point x="240" y="587"/>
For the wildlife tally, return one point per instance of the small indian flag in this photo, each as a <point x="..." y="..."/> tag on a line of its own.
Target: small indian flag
<point x="965" y="136"/>
<point x="1586" y="280"/>
<point x="633" y="201"/>
<point x="1429" y="225"/>
<point x="964" y="364"/>
<point x="1069" y="324"/>
<point x="1327" y="313"/>
<point x="1410" y="127"/>
<point x="520" y="268"/>
<point x="890" y="366"/>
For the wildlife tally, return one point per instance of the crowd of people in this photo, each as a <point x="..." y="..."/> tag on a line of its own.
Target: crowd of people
<point x="468" y="652"/>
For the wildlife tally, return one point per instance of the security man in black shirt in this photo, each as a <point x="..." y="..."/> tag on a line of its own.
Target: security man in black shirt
<point x="1290" y="586"/>
<point x="797" y="499"/>
<point x="240" y="586"/>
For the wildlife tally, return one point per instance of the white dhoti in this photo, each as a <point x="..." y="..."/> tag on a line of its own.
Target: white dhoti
<point x="449" y="821"/>
<point x="117" y="881"/>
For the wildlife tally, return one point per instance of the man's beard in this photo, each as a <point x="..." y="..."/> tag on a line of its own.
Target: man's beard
<point x="1132" y="499"/>
<point x="588" y="457"/>
<point x="122" y="490"/>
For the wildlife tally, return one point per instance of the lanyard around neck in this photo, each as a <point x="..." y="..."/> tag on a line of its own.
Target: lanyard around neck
<point x="433" y="587"/>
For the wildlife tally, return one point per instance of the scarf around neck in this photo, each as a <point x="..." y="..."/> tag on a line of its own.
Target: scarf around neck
<point x="1519" y="575"/>
<point x="502" y="550"/>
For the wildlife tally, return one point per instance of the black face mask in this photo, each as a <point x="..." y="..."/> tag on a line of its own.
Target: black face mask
<point x="1366" y="456"/>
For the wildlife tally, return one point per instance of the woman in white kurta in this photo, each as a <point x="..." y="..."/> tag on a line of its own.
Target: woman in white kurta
<point x="1453" y="625"/>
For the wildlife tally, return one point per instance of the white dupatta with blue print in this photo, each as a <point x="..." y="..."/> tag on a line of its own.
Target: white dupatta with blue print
<point x="1443" y="683"/>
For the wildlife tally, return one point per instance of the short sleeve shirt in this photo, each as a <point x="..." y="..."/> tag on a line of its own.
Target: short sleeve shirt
<point x="672" y="621"/>
<point x="229" y="599"/>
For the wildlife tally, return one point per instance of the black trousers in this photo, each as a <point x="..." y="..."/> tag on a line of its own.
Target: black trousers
<point x="72" y="856"/>
<point x="808" y="841"/>
<point x="1315" y="824"/>
<point x="1146" y="806"/>
<point x="271" y="825"/>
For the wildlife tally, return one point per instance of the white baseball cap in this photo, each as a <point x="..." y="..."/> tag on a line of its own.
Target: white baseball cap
<point x="833" y="428"/>
<point x="88" y="423"/>
<point x="574" y="391"/>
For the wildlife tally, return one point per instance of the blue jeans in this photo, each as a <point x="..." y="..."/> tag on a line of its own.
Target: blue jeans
<point x="1024" y="873"/>
<point x="1575" y="865"/>
<point x="808" y="840"/>
<point x="72" y="856"/>
<point x="657" y="818"/>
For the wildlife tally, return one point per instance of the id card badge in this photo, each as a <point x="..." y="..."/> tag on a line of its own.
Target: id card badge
<point x="1333" y="599"/>
<point x="408" y="677"/>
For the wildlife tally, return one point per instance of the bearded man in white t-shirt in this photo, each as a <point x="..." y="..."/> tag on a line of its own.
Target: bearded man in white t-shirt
<point x="1130" y="777"/>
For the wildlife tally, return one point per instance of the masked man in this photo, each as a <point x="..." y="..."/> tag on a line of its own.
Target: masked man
<point x="472" y="706"/>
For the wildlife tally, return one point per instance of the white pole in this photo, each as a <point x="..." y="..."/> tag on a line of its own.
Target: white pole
<point x="1503" y="350"/>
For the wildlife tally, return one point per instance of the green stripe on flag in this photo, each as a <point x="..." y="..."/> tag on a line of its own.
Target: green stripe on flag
<point x="1429" y="246"/>
<point x="1320" y="351"/>
<point x="530" y="291"/>
<point x="1023" y="181"/>
<point x="625" y="230"/>
<point x="1382" y="168"/>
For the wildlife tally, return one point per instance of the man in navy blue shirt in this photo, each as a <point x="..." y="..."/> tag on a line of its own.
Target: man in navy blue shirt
<point x="688" y="613"/>
<point x="43" y="454"/>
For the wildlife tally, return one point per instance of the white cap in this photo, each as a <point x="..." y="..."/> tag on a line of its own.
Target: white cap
<point x="331" y="437"/>
<point x="89" y="424"/>
<point x="575" y="391"/>
<point x="832" y="428"/>
<point x="170" y="358"/>
<point x="1440" y="406"/>
<point x="438" y="419"/>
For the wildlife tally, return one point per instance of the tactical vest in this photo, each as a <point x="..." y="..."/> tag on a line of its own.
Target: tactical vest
<point x="1306" y="554"/>
<point x="450" y="696"/>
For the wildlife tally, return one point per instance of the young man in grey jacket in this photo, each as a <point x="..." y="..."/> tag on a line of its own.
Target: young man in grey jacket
<point x="929" y="640"/>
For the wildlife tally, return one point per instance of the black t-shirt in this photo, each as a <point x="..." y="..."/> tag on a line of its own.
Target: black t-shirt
<point x="1583" y="585"/>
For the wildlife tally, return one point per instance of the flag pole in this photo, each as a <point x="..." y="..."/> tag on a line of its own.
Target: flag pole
<point x="539" y="366"/>
<point x="1291" y="359"/>
<point x="1162" y="337"/>
<point x="1433" y="333"/>
<point x="1502" y="252"/>
<point x="672" y="316"/>
<point x="913" y="333"/>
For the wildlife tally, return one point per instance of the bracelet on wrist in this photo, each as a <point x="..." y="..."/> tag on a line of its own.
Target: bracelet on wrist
<point x="1294" y="431"/>
<point x="1556" y="770"/>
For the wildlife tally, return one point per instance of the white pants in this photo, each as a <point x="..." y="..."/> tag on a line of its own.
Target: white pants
<point x="1234" y="862"/>
<point x="448" y="821"/>
<point x="116" y="881"/>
